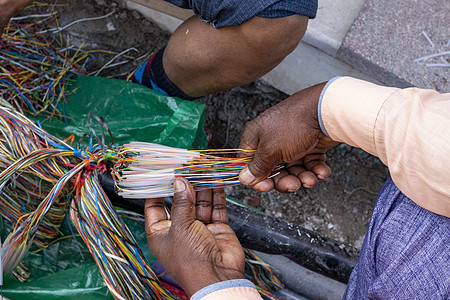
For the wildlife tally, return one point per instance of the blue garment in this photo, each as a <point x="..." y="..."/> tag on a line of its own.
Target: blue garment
<point x="319" y="105"/>
<point x="220" y="286"/>
<point x="152" y="75"/>
<point x="223" y="13"/>
<point x="405" y="254"/>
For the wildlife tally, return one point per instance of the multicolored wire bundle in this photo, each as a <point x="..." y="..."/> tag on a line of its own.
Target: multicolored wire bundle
<point x="30" y="156"/>
<point x="29" y="171"/>
<point x="147" y="170"/>
<point x="262" y="274"/>
<point x="112" y="245"/>
<point x="43" y="177"/>
<point x="35" y="66"/>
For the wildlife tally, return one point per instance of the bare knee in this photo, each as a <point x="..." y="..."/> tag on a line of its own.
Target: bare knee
<point x="258" y="44"/>
<point x="274" y="39"/>
<point x="200" y="59"/>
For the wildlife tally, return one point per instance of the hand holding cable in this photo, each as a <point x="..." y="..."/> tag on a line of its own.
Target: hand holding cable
<point x="195" y="245"/>
<point x="287" y="132"/>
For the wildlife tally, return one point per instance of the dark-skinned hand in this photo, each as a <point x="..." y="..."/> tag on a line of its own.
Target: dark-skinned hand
<point x="287" y="132"/>
<point x="196" y="246"/>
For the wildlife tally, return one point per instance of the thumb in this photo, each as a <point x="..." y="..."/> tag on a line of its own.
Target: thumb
<point x="269" y="156"/>
<point x="258" y="169"/>
<point x="183" y="205"/>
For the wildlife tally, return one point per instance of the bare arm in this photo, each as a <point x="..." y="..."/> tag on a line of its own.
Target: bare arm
<point x="10" y="8"/>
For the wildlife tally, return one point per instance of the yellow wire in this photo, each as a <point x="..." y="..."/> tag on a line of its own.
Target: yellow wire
<point x="54" y="241"/>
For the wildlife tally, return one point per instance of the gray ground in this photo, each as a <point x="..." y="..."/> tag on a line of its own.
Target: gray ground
<point x="339" y="207"/>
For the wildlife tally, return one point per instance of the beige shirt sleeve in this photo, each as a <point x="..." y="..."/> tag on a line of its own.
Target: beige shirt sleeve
<point x="408" y="129"/>
<point x="234" y="293"/>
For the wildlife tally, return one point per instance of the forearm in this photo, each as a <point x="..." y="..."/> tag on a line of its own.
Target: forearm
<point x="407" y="129"/>
<point x="9" y="8"/>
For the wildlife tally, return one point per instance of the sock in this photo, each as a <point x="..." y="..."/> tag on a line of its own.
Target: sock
<point x="152" y="75"/>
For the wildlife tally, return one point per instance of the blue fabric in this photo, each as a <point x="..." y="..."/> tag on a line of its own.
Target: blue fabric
<point x="319" y="106"/>
<point x="139" y="76"/>
<point x="405" y="254"/>
<point x="223" y="13"/>
<point x="220" y="286"/>
<point x="152" y="75"/>
<point x="139" y="73"/>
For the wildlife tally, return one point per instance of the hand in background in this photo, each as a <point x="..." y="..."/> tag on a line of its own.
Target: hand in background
<point x="196" y="247"/>
<point x="287" y="132"/>
<point x="9" y="8"/>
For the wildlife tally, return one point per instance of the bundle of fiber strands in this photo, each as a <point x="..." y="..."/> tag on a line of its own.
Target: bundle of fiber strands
<point x="44" y="171"/>
<point x="36" y="65"/>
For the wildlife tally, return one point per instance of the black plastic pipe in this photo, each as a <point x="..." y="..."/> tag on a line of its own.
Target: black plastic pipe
<point x="311" y="250"/>
<point x="269" y="235"/>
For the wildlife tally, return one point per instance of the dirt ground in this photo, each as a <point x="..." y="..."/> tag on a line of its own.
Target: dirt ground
<point x="339" y="207"/>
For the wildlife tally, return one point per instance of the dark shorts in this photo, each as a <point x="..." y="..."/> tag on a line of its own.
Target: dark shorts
<point x="223" y="13"/>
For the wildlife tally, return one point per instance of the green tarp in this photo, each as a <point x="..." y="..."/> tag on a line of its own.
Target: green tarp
<point x="133" y="113"/>
<point x="66" y="269"/>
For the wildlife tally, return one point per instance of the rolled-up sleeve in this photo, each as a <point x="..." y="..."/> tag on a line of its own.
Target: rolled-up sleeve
<point x="228" y="290"/>
<point x="408" y="129"/>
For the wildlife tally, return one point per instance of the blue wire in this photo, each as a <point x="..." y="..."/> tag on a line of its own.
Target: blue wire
<point x="20" y="93"/>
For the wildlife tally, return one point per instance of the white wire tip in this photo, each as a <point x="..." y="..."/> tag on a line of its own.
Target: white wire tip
<point x="152" y="170"/>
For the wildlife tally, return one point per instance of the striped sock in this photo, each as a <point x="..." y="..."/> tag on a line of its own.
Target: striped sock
<point x="152" y="75"/>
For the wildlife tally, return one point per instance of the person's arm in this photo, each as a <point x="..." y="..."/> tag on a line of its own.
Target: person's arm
<point x="9" y="8"/>
<point x="409" y="130"/>
<point x="287" y="132"/>
<point x="196" y="246"/>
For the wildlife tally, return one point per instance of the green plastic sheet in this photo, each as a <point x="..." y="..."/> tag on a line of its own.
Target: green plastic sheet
<point x="132" y="112"/>
<point x="66" y="269"/>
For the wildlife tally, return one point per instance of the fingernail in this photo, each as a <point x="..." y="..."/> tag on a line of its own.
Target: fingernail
<point x="246" y="177"/>
<point x="179" y="186"/>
